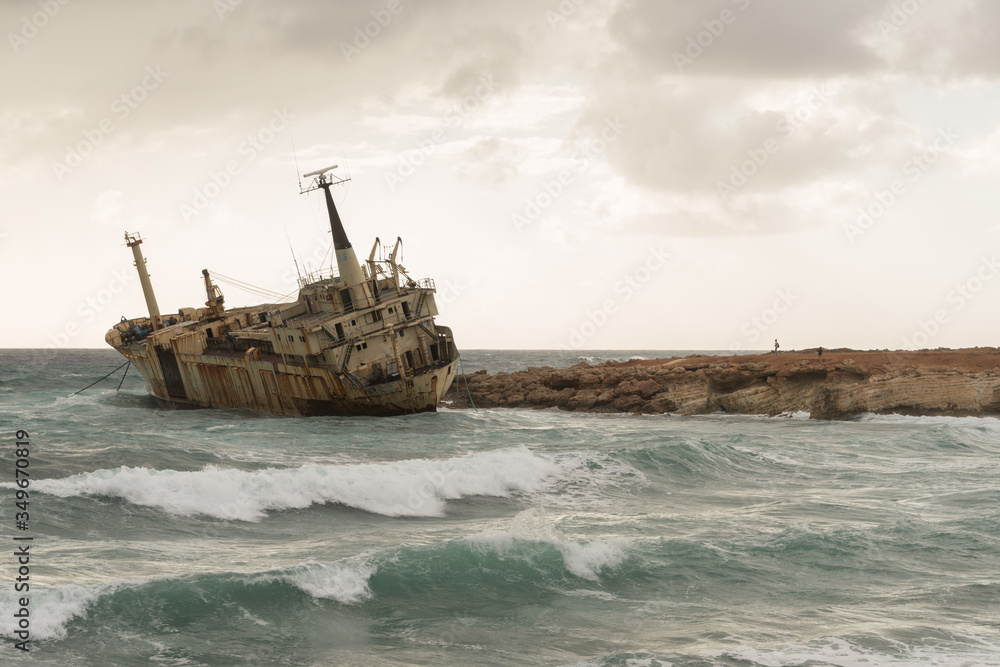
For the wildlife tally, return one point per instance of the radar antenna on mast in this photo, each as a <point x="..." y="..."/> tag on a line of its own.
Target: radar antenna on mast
<point x="322" y="179"/>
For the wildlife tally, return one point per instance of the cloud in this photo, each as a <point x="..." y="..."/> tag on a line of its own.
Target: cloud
<point x="492" y="162"/>
<point x="747" y="38"/>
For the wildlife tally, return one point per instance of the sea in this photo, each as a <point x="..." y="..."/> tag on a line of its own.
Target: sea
<point x="485" y="537"/>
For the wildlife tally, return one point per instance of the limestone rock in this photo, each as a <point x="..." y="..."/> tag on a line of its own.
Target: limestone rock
<point x="834" y="386"/>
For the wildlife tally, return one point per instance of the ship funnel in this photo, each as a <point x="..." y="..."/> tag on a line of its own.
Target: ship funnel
<point x="134" y="241"/>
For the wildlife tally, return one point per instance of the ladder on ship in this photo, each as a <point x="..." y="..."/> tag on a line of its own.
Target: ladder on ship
<point x="420" y="302"/>
<point x="427" y="331"/>
<point x="350" y="378"/>
<point x="347" y="354"/>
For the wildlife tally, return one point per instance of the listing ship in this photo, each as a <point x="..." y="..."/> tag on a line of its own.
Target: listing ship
<point x="358" y="341"/>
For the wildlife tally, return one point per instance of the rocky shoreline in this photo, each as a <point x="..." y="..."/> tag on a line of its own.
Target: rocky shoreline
<point x="838" y="384"/>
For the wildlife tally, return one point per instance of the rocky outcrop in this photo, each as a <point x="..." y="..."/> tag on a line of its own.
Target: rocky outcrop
<point x="836" y="385"/>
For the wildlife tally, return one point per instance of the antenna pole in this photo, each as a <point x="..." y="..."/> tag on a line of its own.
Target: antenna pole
<point x="297" y="172"/>
<point x="297" y="272"/>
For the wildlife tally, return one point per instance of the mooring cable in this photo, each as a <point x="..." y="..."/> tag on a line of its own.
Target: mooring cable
<point x="461" y="364"/>
<point x="103" y="378"/>
<point x="124" y="374"/>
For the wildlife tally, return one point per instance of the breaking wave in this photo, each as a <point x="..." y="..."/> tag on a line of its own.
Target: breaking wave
<point x="131" y="602"/>
<point x="416" y="487"/>
<point x="583" y="559"/>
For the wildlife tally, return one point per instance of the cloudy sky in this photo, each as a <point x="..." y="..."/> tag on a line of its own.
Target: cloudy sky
<point x="597" y="174"/>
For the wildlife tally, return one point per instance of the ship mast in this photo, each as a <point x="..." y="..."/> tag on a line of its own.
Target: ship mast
<point x="134" y="241"/>
<point x="347" y="262"/>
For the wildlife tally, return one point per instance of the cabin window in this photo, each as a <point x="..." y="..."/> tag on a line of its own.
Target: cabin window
<point x="390" y="309"/>
<point x="359" y="348"/>
<point x="400" y="333"/>
<point x="340" y="330"/>
<point x="377" y="316"/>
<point x="302" y="339"/>
<point x="353" y="323"/>
<point x="364" y="345"/>
<point x="291" y="338"/>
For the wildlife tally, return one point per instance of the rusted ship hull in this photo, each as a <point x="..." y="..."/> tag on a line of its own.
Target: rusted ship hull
<point x="358" y="341"/>
<point x="192" y="381"/>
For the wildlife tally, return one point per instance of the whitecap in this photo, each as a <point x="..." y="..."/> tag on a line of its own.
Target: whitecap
<point x="52" y="608"/>
<point x="346" y="583"/>
<point x="986" y="423"/>
<point x="584" y="559"/>
<point x="416" y="487"/>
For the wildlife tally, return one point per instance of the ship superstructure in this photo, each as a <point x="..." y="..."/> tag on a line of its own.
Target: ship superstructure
<point x="362" y="341"/>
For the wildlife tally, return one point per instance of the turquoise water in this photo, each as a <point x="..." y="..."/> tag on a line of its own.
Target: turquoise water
<point x="497" y="537"/>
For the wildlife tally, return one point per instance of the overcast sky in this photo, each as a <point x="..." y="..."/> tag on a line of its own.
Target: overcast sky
<point x="597" y="174"/>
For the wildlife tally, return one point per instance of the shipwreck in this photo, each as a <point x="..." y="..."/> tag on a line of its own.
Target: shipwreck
<point x="360" y="340"/>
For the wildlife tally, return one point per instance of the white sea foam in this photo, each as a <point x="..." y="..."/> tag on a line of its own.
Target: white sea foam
<point x="51" y="609"/>
<point x="584" y="559"/>
<point x="799" y="415"/>
<point x="987" y="423"/>
<point x="587" y="560"/>
<point x="343" y="582"/>
<point x="838" y="652"/>
<point x="416" y="487"/>
<point x="590" y="479"/>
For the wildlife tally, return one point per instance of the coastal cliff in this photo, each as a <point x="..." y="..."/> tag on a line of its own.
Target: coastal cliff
<point x="837" y="385"/>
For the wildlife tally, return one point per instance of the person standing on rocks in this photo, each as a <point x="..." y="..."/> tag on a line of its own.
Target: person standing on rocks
<point x="820" y="351"/>
<point x="776" y="346"/>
